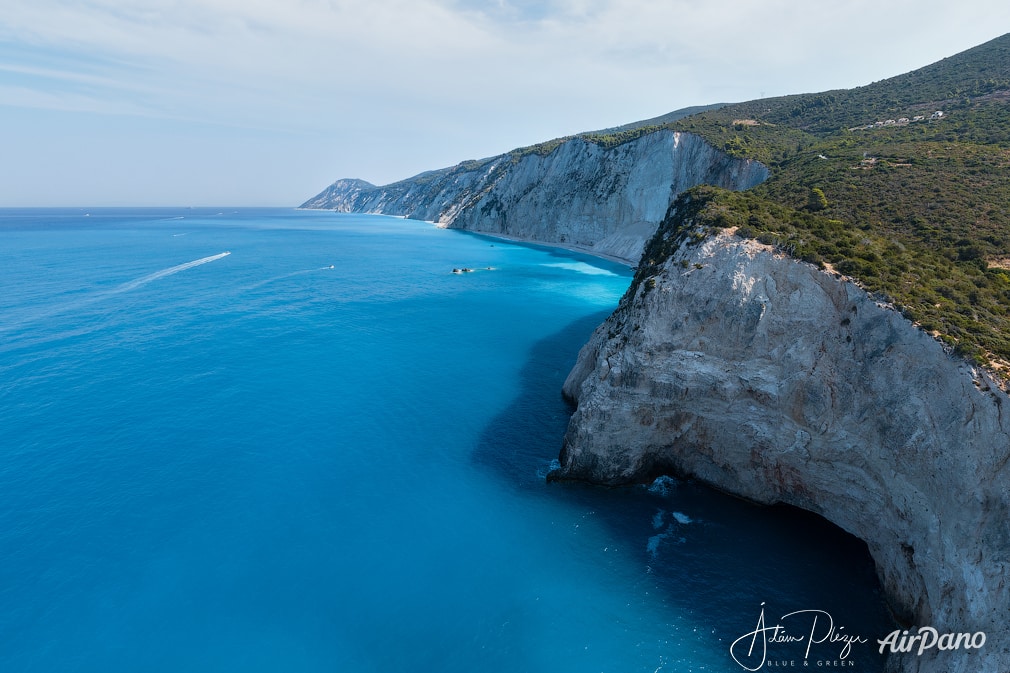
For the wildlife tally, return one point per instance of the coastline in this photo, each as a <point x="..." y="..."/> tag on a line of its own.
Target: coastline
<point x="563" y="246"/>
<point x="623" y="261"/>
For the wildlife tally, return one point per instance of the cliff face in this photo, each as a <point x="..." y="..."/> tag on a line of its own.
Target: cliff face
<point x="778" y="382"/>
<point x="605" y="201"/>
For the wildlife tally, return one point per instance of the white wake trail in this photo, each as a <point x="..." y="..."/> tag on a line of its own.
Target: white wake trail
<point x="134" y="284"/>
<point x="98" y="296"/>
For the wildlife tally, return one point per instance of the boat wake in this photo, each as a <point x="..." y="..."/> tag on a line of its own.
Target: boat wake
<point x="98" y="296"/>
<point x="134" y="284"/>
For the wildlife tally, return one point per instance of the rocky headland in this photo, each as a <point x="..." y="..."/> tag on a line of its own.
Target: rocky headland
<point x="834" y="338"/>
<point x="774" y="380"/>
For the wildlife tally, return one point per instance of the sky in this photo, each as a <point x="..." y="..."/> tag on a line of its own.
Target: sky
<point x="266" y="102"/>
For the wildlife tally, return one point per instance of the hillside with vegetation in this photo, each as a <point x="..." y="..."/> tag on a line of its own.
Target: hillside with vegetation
<point x="902" y="185"/>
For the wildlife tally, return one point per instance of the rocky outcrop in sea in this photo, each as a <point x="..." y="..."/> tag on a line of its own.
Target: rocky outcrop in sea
<point x="773" y="380"/>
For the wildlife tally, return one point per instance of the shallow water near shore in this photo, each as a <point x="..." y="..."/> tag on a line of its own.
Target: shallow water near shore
<point x="324" y="451"/>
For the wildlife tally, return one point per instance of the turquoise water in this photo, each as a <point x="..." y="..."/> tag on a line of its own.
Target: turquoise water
<point x="323" y="451"/>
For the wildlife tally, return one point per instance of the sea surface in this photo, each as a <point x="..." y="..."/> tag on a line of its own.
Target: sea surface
<point x="278" y="440"/>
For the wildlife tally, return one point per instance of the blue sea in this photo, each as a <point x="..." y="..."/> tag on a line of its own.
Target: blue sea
<point x="279" y="440"/>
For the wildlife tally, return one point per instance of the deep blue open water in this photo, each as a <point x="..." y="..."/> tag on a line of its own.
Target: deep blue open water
<point x="324" y="451"/>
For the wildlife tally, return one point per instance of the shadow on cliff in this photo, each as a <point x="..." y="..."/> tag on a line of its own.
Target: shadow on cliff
<point x="713" y="556"/>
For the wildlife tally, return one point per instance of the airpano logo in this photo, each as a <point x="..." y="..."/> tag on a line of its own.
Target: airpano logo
<point x="928" y="638"/>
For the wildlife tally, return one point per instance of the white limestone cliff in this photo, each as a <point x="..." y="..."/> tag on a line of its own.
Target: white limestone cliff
<point x="607" y="201"/>
<point x="758" y="374"/>
<point x="779" y="382"/>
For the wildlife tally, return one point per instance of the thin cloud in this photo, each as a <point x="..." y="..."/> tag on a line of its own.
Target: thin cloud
<point x="392" y="87"/>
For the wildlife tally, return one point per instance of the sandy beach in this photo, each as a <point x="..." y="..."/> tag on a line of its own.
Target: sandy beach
<point x="528" y="241"/>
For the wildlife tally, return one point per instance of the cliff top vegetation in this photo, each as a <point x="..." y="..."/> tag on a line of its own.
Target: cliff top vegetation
<point x="903" y="185"/>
